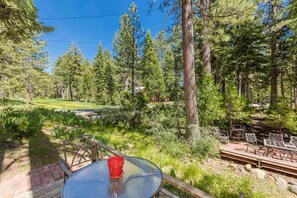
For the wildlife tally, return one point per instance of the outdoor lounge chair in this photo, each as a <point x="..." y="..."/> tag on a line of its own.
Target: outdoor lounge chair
<point x="252" y="142"/>
<point x="78" y="152"/>
<point x="223" y="136"/>
<point x="237" y="131"/>
<point x="277" y="137"/>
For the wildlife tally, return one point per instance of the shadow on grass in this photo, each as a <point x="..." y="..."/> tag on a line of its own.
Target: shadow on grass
<point x="5" y="145"/>
<point x="42" y="152"/>
<point x="2" y="154"/>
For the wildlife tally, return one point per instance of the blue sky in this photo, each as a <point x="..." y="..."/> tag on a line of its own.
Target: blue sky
<point x="90" y="30"/>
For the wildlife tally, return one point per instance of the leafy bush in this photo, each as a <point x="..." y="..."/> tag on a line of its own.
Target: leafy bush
<point x="64" y="134"/>
<point x="237" y="107"/>
<point x="282" y="116"/>
<point x="64" y="117"/>
<point x="205" y="147"/>
<point x="10" y="102"/>
<point x="169" y="143"/>
<point x="21" y="123"/>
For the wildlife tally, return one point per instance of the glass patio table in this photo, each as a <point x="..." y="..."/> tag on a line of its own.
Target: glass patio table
<point x="141" y="178"/>
<point x="283" y="148"/>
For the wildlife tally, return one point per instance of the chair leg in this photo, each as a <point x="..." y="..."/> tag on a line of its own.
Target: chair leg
<point x="247" y="148"/>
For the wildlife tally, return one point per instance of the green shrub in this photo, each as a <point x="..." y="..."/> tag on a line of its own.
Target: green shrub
<point x="205" y="147"/>
<point x="281" y="116"/>
<point x="21" y="123"/>
<point x="170" y="144"/>
<point x="64" y="134"/>
<point x="237" y="107"/>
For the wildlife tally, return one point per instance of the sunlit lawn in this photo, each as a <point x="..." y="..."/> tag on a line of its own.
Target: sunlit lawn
<point x="52" y="104"/>
<point x="65" y="104"/>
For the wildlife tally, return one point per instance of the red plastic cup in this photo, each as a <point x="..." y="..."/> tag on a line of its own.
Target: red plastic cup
<point x="115" y="166"/>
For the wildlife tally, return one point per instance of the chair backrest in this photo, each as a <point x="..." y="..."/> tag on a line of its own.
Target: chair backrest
<point x="294" y="140"/>
<point x="251" y="138"/>
<point x="217" y="130"/>
<point x="238" y="126"/>
<point x="275" y="136"/>
<point x="79" y="150"/>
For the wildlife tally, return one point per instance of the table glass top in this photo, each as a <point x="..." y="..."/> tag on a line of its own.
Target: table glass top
<point x="141" y="178"/>
<point x="279" y="144"/>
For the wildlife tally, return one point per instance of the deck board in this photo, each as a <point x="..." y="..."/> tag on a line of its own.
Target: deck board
<point x="264" y="162"/>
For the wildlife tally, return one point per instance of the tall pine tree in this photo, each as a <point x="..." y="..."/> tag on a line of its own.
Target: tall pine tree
<point x="110" y="77"/>
<point x="99" y="76"/>
<point x="168" y="72"/>
<point x="152" y="77"/>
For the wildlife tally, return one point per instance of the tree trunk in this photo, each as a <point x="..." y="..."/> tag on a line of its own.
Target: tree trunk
<point x="27" y="90"/>
<point x="205" y="45"/>
<point x="63" y="93"/>
<point x="126" y="83"/>
<point x="282" y="83"/>
<point x="224" y="87"/>
<point x="189" y="68"/>
<point x="248" y="89"/>
<point x="295" y="96"/>
<point x="273" y="66"/>
<point x="295" y="85"/>
<point x="291" y="95"/>
<point x="27" y="87"/>
<point x="70" y="91"/>
<point x="77" y="90"/>
<point x="239" y="84"/>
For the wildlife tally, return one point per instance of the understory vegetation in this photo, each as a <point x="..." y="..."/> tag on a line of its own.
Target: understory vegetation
<point x="156" y="138"/>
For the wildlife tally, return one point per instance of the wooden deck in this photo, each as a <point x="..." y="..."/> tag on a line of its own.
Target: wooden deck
<point x="237" y="153"/>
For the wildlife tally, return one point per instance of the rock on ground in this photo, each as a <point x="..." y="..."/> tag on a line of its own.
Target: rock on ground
<point x="233" y="166"/>
<point x="282" y="183"/>
<point x="293" y="189"/>
<point x="248" y="167"/>
<point x="260" y="174"/>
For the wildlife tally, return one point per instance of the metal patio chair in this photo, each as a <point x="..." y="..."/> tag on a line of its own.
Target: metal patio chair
<point x="277" y="137"/>
<point x="252" y="142"/>
<point x="222" y="135"/>
<point x="78" y="152"/>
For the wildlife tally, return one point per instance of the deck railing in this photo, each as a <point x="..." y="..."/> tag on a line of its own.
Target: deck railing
<point x="167" y="179"/>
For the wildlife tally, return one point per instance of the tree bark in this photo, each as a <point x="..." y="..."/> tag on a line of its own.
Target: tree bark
<point x="189" y="68"/>
<point x="126" y="83"/>
<point x="27" y="87"/>
<point x="295" y="96"/>
<point x="70" y="90"/>
<point x="282" y="84"/>
<point x="295" y="84"/>
<point x="27" y="90"/>
<point x="205" y="45"/>
<point x="273" y="66"/>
